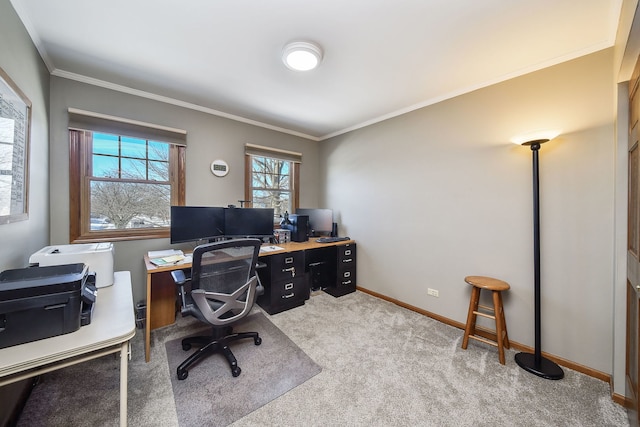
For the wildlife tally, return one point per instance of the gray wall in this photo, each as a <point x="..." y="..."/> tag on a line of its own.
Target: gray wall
<point x="442" y="194"/>
<point x="431" y="196"/>
<point x="208" y="138"/>
<point x="20" y="60"/>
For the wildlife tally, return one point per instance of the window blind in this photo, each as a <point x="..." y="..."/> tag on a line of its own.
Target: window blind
<point x="97" y="122"/>
<point x="275" y="153"/>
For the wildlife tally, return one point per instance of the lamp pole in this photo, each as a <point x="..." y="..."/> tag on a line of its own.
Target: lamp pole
<point x="535" y="363"/>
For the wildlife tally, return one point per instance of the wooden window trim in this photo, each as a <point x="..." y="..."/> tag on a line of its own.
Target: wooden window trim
<point x="295" y="194"/>
<point x="79" y="185"/>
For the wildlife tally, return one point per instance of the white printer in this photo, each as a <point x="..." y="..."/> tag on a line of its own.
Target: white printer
<point x="98" y="256"/>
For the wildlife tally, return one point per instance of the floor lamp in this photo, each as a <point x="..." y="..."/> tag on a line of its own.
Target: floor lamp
<point x="535" y="363"/>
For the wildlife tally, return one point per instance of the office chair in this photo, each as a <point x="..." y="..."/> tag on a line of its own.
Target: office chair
<point x="224" y="287"/>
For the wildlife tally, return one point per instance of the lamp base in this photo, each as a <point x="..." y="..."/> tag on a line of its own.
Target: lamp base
<point x="545" y="369"/>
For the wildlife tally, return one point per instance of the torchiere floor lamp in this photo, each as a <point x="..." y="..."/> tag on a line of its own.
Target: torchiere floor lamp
<point x="535" y="363"/>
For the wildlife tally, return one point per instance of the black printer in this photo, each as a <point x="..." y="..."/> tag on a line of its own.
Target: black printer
<point x="42" y="302"/>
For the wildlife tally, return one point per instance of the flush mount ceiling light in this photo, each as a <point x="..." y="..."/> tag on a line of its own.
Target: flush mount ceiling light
<point x="301" y="56"/>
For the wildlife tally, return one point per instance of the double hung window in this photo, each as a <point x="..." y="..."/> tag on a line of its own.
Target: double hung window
<point x="272" y="179"/>
<point x="122" y="186"/>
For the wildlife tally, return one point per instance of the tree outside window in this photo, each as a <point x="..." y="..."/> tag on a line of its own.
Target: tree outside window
<point x="127" y="191"/>
<point x="130" y="182"/>
<point x="272" y="183"/>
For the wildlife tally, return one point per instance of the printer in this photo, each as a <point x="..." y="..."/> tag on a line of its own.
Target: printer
<point x="98" y="256"/>
<point x="42" y="302"/>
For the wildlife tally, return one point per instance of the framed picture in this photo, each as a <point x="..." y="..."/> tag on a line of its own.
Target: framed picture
<point x="15" y="130"/>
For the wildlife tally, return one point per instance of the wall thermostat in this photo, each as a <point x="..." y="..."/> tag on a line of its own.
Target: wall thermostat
<point x="219" y="168"/>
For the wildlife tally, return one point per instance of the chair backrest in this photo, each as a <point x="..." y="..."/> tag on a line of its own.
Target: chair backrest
<point x="223" y="282"/>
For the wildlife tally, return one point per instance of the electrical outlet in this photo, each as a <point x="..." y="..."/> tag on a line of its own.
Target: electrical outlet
<point x="432" y="292"/>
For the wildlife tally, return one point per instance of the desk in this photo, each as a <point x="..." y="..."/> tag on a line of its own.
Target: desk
<point x="161" y="290"/>
<point x="112" y="327"/>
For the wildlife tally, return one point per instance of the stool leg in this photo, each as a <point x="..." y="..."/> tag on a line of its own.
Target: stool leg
<point x="504" y="323"/>
<point x="470" y="328"/>
<point x="497" y="308"/>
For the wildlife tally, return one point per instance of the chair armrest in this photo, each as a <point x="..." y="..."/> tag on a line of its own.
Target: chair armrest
<point x="179" y="277"/>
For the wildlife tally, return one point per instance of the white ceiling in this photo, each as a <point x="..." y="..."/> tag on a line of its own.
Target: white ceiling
<point x="381" y="57"/>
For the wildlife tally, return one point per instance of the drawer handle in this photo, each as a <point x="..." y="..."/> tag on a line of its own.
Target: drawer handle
<point x="288" y="286"/>
<point x="291" y="270"/>
<point x="288" y="260"/>
<point x="348" y="282"/>
<point x="347" y="260"/>
<point x="347" y="274"/>
<point x="288" y="295"/>
<point x="347" y="252"/>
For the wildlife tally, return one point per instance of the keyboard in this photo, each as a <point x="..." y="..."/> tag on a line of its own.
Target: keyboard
<point x="332" y="239"/>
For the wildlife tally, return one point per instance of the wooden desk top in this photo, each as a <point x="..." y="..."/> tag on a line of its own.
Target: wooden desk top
<point x="302" y="246"/>
<point x="286" y="247"/>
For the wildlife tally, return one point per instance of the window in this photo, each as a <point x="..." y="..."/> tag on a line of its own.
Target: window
<point x="272" y="178"/>
<point x="125" y="185"/>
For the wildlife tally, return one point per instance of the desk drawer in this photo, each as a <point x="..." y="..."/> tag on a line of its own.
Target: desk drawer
<point x="289" y="290"/>
<point x="346" y="255"/>
<point x="345" y="271"/>
<point x="286" y="266"/>
<point x="346" y="277"/>
<point x="284" y="296"/>
<point x="285" y="283"/>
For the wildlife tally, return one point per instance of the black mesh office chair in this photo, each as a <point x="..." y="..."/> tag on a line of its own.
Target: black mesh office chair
<point x="224" y="287"/>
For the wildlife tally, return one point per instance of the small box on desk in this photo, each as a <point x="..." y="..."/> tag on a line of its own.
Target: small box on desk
<point x="40" y="302"/>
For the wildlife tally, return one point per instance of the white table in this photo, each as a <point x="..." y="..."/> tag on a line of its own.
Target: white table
<point x="112" y="327"/>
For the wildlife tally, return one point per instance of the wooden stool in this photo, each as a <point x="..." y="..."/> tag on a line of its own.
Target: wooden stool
<point x="496" y="313"/>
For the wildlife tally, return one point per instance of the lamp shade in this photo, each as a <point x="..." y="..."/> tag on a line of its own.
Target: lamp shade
<point x="537" y="136"/>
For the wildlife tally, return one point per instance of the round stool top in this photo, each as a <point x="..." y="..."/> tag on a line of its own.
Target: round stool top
<point x="487" y="283"/>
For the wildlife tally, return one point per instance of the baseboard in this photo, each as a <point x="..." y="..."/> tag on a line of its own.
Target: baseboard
<point x="488" y="334"/>
<point x="621" y="400"/>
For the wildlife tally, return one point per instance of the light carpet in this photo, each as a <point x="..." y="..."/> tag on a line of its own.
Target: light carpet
<point x="382" y="365"/>
<point x="211" y="396"/>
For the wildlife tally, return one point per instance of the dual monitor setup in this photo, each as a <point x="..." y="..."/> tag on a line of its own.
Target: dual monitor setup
<point x="194" y="223"/>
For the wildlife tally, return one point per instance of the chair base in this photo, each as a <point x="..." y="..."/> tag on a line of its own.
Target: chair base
<point x="218" y="342"/>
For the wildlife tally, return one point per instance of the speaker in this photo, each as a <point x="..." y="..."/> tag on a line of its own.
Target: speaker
<point x="334" y="230"/>
<point x="299" y="227"/>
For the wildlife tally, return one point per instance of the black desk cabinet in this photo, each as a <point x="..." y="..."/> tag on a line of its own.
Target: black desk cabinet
<point x="285" y="285"/>
<point x="289" y="277"/>
<point x="345" y="279"/>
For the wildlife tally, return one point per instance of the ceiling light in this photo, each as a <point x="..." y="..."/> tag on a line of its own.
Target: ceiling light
<point x="301" y="56"/>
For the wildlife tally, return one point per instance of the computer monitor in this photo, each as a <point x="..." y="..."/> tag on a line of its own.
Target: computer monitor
<point x="320" y="221"/>
<point x="248" y="222"/>
<point x="193" y="223"/>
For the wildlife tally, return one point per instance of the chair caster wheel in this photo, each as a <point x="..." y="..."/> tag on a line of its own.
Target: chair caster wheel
<point x="257" y="341"/>
<point x="186" y="347"/>
<point x="182" y="375"/>
<point x="236" y="371"/>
